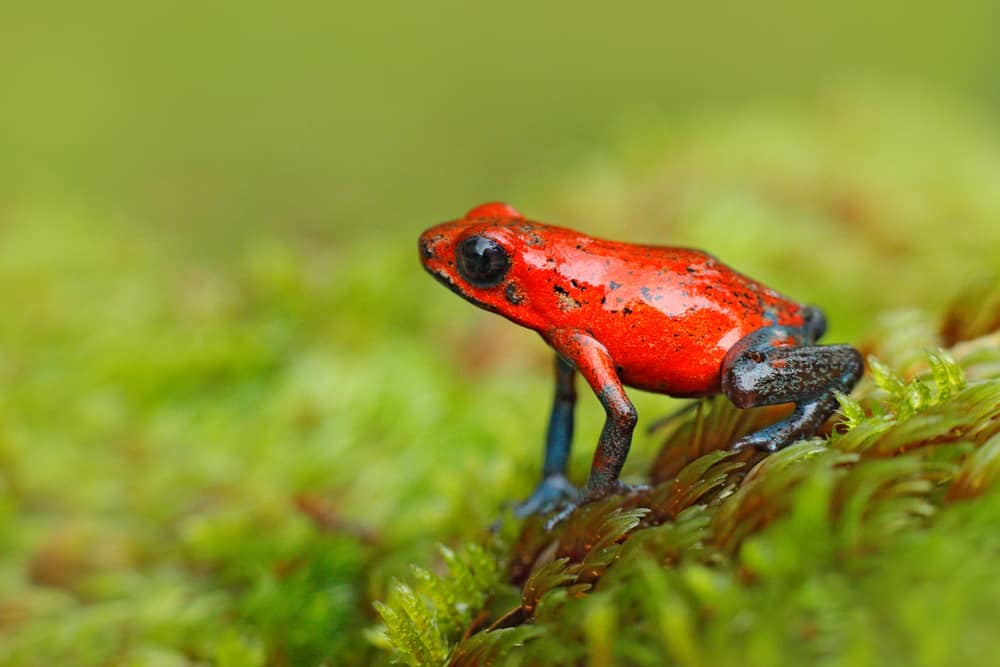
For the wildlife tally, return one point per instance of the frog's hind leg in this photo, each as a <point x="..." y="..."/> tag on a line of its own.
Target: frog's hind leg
<point x="782" y="365"/>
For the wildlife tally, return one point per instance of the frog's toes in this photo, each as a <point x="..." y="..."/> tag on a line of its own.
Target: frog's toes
<point x="618" y="488"/>
<point x="554" y="492"/>
<point x="760" y="441"/>
<point x="614" y="489"/>
<point x="632" y="489"/>
<point x="561" y="515"/>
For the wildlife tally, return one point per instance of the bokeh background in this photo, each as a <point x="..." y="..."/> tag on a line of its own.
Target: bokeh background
<point x="232" y="407"/>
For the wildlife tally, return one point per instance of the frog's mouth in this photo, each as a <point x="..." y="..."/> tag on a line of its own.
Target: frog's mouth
<point x="448" y="282"/>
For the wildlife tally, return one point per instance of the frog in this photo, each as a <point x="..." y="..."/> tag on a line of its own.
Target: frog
<point x="662" y="319"/>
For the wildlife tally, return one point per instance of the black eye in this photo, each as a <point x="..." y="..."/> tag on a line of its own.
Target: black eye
<point x="482" y="261"/>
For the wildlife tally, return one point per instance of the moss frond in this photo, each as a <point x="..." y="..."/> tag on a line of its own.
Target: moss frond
<point x="702" y="427"/>
<point x="705" y="476"/>
<point x="547" y="577"/>
<point x="412" y="638"/>
<point x="978" y="472"/>
<point x="488" y="647"/>
<point x="422" y="624"/>
<point x="975" y="312"/>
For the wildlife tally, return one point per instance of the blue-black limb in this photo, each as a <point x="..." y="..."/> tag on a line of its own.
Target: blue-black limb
<point x="554" y="489"/>
<point x="591" y="360"/>
<point x="594" y="363"/>
<point x="559" y="437"/>
<point x="781" y="365"/>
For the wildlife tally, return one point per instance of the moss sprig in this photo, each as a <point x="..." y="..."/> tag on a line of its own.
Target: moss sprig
<point x="422" y="622"/>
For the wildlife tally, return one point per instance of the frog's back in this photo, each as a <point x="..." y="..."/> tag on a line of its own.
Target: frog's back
<point x="666" y="315"/>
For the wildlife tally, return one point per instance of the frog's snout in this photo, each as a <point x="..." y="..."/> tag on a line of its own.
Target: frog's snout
<point x="426" y="249"/>
<point x="436" y="245"/>
<point x="431" y="244"/>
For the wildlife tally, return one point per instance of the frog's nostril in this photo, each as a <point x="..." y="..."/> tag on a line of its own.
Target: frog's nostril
<point x="425" y="249"/>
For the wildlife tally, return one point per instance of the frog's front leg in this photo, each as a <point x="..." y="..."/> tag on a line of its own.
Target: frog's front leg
<point x="555" y="490"/>
<point x="777" y="365"/>
<point x="592" y="360"/>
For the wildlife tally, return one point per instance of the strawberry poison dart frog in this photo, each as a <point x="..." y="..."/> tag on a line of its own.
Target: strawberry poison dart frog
<point x="674" y="321"/>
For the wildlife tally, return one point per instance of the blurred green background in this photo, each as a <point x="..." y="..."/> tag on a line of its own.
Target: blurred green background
<point x="232" y="407"/>
<point x="332" y="118"/>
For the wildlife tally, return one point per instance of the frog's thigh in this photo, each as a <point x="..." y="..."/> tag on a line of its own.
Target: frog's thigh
<point x="770" y="366"/>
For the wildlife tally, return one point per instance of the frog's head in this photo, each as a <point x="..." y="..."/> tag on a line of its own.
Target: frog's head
<point x="486" y="258"/>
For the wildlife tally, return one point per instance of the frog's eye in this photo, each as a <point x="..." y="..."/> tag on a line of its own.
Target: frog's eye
<point x="481" y="261"/>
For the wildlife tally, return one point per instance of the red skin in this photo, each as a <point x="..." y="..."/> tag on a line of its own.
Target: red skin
<point x="665" y="316"/>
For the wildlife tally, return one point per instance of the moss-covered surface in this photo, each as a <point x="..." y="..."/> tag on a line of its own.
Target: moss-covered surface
<point x="231" y="462"/>
<point x="878" y="546"/>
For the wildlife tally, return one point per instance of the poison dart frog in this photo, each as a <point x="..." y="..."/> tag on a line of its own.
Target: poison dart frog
<point x="674" y="321"/>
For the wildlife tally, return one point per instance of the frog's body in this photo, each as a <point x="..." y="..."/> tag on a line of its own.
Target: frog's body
<point x="668" y="320"/>
<point x="667" y="316"/>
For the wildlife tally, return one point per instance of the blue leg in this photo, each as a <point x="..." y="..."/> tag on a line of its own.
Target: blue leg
<point x="555" y="489"/>
<point x="559" y="437"/>
<point x="595" y="364"/>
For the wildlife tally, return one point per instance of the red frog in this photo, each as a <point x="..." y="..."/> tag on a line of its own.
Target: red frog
<point x="674" y="321"/>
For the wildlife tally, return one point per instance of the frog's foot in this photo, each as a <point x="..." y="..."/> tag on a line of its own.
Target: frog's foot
<point x="762" y="441"/>
<point x="618" y="488"/>
<point x="621" y="489"/>
<point x="554" y="492"/>
<point x="807" y="417"/>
